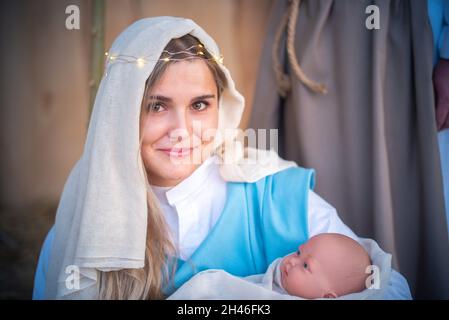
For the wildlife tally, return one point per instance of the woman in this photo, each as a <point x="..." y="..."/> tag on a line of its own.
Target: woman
<point x="162" y="190"/>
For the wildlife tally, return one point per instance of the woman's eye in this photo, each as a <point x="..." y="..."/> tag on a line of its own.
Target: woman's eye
<point x="305" y="265"/>
<point x="155" y="107"/>
<point x="199" y="106"/>
<point x="298" y="253"/>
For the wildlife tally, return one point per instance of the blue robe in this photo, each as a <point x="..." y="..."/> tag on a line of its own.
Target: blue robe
<point x="260" y="222"/>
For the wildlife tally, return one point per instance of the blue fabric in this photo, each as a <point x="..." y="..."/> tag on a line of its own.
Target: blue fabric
<point x="443" y="141"/>
<point x="261" y="221"/>
<point x="443" y="44"/>
<point x="438" y="11"/>
<point x="271" y="204"/>
<point x="42" y="266"/>
<point x="398" y="288"/>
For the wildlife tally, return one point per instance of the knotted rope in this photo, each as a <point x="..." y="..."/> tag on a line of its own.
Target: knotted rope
<point x="283" y="81"/>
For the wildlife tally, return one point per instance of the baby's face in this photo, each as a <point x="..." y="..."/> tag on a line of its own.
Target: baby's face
<point x="303" y="272"/>
<point x="326" y="266"/>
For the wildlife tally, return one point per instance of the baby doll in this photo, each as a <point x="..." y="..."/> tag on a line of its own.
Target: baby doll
<point x="328" y="265"/>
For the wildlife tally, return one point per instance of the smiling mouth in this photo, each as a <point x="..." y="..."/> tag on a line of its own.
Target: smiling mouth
<point x="177" y="152"/>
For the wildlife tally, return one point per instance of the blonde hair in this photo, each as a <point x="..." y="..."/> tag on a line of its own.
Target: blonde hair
<point x="160" y="252"/>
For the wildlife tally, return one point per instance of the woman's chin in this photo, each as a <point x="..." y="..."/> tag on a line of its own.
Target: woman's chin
<point x="172" y="174"/>
<point x="180" y="172"/>
<point x="169" y="170"/>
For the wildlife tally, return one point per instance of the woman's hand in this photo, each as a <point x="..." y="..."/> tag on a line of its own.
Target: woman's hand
<point x="441" y="85"/>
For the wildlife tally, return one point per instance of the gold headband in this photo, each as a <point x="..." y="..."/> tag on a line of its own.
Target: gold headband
<point x="141" y="61"/>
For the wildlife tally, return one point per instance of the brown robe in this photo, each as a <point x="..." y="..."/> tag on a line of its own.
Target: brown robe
<point x="372" y="138"/>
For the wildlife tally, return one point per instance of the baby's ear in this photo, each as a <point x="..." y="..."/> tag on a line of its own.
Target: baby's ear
<point x="330" y="295"/>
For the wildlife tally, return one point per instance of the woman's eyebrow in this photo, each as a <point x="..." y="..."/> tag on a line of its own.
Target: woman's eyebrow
<point x="167" y="99"/>
<point x="160" y="98"/>
<point x="204" y="96"/>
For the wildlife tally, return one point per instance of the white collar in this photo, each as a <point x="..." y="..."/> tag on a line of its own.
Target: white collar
<point x="188" y="186"/>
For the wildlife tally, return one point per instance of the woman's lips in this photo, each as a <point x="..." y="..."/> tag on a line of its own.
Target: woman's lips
<point x="177" y="152"/>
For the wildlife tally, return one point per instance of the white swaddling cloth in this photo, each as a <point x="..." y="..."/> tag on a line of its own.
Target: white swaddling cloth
<point x="216" y="284"/>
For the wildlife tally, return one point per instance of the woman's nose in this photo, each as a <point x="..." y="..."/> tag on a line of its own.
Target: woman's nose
<point x="180" y="127"/>
<point x="178" y="135"/>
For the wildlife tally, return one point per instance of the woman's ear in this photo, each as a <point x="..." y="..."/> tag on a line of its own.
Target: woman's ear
<point x="330" y="295"/>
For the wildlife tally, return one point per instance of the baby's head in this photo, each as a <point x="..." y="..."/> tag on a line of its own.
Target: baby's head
<point x="328" y="265"/>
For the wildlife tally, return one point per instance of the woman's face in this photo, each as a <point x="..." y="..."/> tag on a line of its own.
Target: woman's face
<point x="178" y="115"/>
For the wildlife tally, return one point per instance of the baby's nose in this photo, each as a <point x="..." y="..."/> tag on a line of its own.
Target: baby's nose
<point x="292" y="261"/>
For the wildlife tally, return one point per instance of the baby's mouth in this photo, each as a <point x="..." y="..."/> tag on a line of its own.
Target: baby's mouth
<point x="285" y="271"/>
<point x="284" y="275"/>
